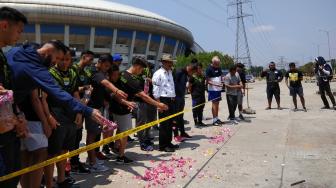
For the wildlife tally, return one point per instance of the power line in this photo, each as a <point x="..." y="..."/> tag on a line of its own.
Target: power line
<point x="242" y="51"/>
<point x="198" y="12"/>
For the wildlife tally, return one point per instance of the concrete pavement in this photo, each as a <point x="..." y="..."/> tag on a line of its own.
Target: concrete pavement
<point x="275" y="149"/>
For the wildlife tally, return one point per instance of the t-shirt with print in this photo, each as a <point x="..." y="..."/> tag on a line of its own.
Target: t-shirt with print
<point x="98" y="92"/>
<point x="232" y="80"/>
<point x="214" y="75"/>
<point x="197" y="86"/>
<point x="129" y="84"/>
<point x="294" y="78"/>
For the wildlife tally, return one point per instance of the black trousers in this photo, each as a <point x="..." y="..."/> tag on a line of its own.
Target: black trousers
<point x="180" y="103"/>
<point x="198" y="112"/>
<point x="10" y="160"/>
<point x="79" y="134"/>
<point x="165" y="131"/>
<point x="232" y="102"/>
<point x="325" y="88"/>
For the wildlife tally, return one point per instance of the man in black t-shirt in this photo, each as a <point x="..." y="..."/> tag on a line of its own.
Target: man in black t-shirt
<point x="129" y="83"/>
<point x="273" y="78"/>
<point x="295" y="87"/>
<point x="100" y="84"/>
<point x="196" y="87"/>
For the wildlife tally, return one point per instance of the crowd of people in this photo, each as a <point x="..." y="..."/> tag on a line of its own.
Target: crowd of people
<point x="54" y="97"/>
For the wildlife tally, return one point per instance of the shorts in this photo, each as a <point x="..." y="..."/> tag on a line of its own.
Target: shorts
<point x="124" y="122"/>
<point x="62" y="138"/>
<point x="293" y="91"/>
<point x="214" y="96"/>
<point x="36" y="138"/>
<point x="93" y="127"/>
<point x="240" y="98"/>
<point x="273" y="91"/>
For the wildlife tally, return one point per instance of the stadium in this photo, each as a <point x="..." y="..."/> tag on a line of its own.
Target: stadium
<point x="104" y="27"/>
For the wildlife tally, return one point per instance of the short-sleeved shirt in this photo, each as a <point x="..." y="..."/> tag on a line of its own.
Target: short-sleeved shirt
<point x="232" y="80"/>
<point x="83" y="75"/>
<point x="4" y="71"/>
<point x="214" y="75"/>
<point x="272" y="77"/>
<point x="294" y="78"/>
<point x="197" y="86"/>
<point x="98" y="92"/>
<point x="130" y="84"/>
<point x="180" y="80"/>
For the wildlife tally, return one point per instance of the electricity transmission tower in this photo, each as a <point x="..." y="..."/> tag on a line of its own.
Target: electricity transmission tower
<point x="242" y="51"/>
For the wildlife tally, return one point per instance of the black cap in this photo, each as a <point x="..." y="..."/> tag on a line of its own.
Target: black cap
<point x="105" y="58"/>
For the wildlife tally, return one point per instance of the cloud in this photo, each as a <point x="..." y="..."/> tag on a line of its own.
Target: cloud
<point x="262" y="28"/>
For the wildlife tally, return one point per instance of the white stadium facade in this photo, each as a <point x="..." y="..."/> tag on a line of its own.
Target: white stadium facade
<point x="104" y="27"/>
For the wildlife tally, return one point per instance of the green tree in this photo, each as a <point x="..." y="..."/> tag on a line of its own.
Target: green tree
<point x="205" y="59"/>
<point x="307" y="69"/>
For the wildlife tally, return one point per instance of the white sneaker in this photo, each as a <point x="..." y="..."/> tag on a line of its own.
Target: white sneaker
<point x="98" y="168"/>
<point x="234" y="122"/>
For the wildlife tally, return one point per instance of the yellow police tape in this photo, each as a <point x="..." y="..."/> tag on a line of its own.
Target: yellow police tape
<point x="94" y="145"/>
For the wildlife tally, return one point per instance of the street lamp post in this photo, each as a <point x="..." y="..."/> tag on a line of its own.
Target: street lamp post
<point x="327" y="32"/>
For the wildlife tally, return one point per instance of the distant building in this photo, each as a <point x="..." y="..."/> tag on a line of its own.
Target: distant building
<point x="104" y="27"/>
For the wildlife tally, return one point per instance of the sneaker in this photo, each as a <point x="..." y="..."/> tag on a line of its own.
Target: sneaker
<point x="216" y="123"/>
<point x="234" y="122"/>
<point x="334" y="107"/>
<point x="219" y="121"/>
<point x="124" y="160"/>
<point x="179" y="139"/>
<point x="145" y="147"/>
<point x="167" y="149"/>
<point x="129" y="139"/>
<point x="185" y="135"/>
<point x="79" y="169"/>
<point x="305" y="109"/>
<point x="97" y="161"/>
<point x="241" y="117"/>
<point x="325" y="107"/>
<point x="295" y="109"/>
<point x="102" y="156"/>
<point x="98" y="168"/>
<point x="201" y="124"/>
<point x="174" y="146"/>
<point x="65" y="184"/>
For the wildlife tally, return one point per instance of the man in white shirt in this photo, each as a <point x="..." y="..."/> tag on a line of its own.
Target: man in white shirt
<point x="164" y="91"/>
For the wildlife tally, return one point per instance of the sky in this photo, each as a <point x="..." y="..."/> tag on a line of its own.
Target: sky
<point x="288" y="28"/>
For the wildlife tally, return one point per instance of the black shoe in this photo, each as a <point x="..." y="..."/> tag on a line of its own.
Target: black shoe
<point x="80" y="169"/>
<point x="65" y="184"/>
<point x="174" y="146"/>
<point x="186" y="135"/>
<point x="167" y="149"/>
<point x="219" y="121"/>
<point x="241" y="117"/>
<point x="129" y="139"/>
<point x="201" y="124"/>
<point x="305" y="109"/>
<point x="124" y="160"/>
<point x="325" y="107"/>
<point x="334" y="107"/>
